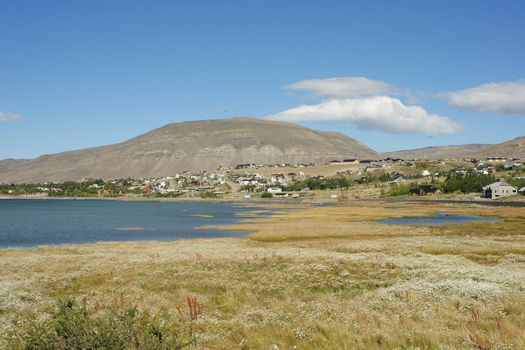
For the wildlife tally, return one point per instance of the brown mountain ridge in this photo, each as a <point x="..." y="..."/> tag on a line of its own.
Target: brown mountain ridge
<point x="208" y="144"/>
<point x="195" y="146"/>
<point x="512" y="148"/>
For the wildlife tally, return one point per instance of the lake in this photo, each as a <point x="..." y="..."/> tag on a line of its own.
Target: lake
<point x="29" y="223"/>
<point x="437" y="219"/>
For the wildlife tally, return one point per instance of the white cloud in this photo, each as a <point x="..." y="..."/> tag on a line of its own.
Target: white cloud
<point x="365" y="103"/>
<point x="378" y="112"/>
<point x="6" y="116"/>
<point x="504" y="98"/>
<point x="342" y="87"/>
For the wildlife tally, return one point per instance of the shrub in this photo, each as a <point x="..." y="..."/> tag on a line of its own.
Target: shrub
<point x="400" y="190"/>
<point x="209" y="195"/>
<point x="76" y="327"/>
<point x="470" y="182"/>
<point x="247" y="188"/>
<point x="312" y="183"/>
<point x="266" y="195"/>
<point x="517" y="182"/>
<point x="422" y="165"/>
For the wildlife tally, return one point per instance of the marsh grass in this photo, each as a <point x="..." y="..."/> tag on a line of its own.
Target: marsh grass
<point x="317" y="278"/>
<point x="75" y="326"/>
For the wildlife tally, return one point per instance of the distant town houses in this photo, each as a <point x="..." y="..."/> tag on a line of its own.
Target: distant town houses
<point x="512" y="165"/>
<point x="496" y="159"/>
<point x="498" y="190"/>
<point x="283" y="180"/>
<point x="183" y="183"/>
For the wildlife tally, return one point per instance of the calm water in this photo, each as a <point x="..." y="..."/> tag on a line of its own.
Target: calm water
<point x="27" y="223"/>
<point x="437" y="219"/>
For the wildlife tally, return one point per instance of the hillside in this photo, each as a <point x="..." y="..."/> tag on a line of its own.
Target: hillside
<point x="438" y="152"/>
<point x="512" y="148"/>
<point x="196" y="145"/>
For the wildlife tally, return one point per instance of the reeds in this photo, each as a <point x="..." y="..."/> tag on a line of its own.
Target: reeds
<point x="336" y="281"/>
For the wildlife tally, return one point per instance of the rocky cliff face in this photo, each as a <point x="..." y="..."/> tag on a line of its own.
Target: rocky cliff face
<point x="198" y="145"/>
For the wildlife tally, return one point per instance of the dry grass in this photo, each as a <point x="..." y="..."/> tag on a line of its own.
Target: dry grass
<point x="317" y="278"/>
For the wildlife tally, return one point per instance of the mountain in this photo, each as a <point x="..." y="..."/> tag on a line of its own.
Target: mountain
<point x="512" y="148"/>
<point x="195" y="145"/>
<point x="438" y="152"/>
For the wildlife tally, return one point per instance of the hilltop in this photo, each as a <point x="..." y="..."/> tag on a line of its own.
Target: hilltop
<point x="512" y="148"/>
<point x="194" y="146"/>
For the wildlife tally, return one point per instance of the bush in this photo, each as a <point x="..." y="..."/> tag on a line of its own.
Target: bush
<point x="518" y="183"/>
<point x="422" y="165"/>
<point x="400" y="190"/>
<point x="331" y="183"/>
<point x="266" y="195"/>
<point x="470" y="182"/>
<point x="209" y="195"/>
<point x="247" y="188"/>
<point x="75" y="327"/>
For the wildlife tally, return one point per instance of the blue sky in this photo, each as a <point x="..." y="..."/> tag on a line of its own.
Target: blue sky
<point x="76" y="74"/>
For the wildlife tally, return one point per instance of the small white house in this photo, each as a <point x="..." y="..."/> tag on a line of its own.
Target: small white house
<point x="522" y="191"/>
<point x="499" y="189"/>
<point x="274" y="190"/>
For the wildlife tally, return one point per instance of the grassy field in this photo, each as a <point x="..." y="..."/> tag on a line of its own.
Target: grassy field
<point x="312" y="278"/>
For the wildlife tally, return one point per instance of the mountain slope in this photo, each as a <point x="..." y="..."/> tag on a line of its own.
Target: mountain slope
<point x="512" y="148"/>
<point x="197" y="145"/>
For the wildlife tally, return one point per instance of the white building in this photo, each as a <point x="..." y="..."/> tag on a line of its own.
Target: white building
<point x="499" y="189"/>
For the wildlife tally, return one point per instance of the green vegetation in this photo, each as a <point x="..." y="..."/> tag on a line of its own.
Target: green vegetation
<point x="209" y="194"/>
<point x="517" y="182"/>
<point x="400" y="189"/>
<point x="77" y="327"/>
<point x="321" y="183"/>
<point x="92" y="187"/>
<point x="20" y="189"/>
<point x="421" y="165"/>
<point x="85" y="188"/>
<point x="248" y="188"/>
<point x="266" y="195"/>
<point x="467" y="183"/>
<point x="319" y="278"/>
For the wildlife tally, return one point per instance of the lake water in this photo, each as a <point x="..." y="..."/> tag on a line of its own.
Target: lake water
<point x="437" y="219"/>
<point x="29" y="223"/>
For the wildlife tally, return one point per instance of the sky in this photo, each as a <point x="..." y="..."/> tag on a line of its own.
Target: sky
<point x="391" y="74"/>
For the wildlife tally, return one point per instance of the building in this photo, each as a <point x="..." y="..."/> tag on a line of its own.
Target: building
<point x="499" y="189"/>
<point x="398" y="180"/>
<point x="522" y="191"/>
<point x="496" y="159"/>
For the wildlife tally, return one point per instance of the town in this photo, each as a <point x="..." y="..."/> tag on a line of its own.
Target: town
<point x="493" y="178"/>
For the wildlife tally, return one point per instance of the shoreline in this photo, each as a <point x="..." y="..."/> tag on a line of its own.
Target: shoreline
<point x="249" y="221"/>
<point x="510" y="201"/>
<point x="254" y="211"/>
<point x="314" y="270"/>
